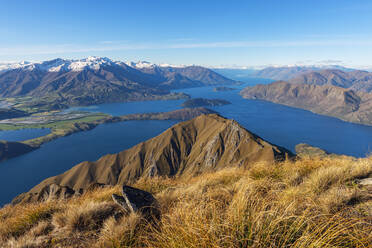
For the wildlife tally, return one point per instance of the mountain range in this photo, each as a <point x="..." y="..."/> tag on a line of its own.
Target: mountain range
<point x="342" y="94"/>
<point x="356" y="80"/>
<point x="97" y="80"/>
<point x="345" y="104"/>
<point x="288" y="72"/>
<point x="205" y="143"/>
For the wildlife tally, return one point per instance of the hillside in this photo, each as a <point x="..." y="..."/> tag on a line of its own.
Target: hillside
<point x="308" y="202"/>
<point x="355" y="80"/>
<point x="288" y="72"/>
<point x="183" y="77"/>
<point x="97" y="80"/>
<point x="328" y="100"/>
<point x="206" y="143"/>
<point x="8" y="113"/>
<point x="64" y="127"/>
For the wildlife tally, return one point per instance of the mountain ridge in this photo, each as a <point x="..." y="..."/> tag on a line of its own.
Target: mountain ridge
<point x="96" y="80"/>
<point x="345" y="104"/>
<point x="288" y="72"/>
<point x="205" y="143"/>
<point x="355" y="80"/>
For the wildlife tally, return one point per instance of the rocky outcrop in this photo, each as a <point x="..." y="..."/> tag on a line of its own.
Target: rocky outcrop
<point x="138" y="201"/>
<point x="206" y="143"/>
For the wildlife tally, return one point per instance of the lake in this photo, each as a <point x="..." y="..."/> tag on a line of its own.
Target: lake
<point x="23" y="134"/>
<point x="20" y="174"/>
<point x="281" y="125"/>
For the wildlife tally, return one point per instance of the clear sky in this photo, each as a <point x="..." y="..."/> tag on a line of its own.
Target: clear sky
<point x="233" y="32"/>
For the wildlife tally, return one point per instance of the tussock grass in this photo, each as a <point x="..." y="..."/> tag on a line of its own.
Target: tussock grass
<point x="310" y="202"/>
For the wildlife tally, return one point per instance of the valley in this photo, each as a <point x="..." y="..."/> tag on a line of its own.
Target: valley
<point x="292" y="126"/>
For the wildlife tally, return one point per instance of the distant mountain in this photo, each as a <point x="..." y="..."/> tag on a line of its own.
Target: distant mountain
<point x="10" y="66"/>
<point x="98" y="80"/>
<point x="206" y="143"/>
<point x="287" y="72"/>
<point x="345" y="104"/>
<point x="176" y="77"/>
<point x="355" y="80"/>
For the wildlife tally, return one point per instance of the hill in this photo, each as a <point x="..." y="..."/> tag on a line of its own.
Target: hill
<point x="355" y="80"/>
<point x="288" y="72"/>
<point x="198" y="102"/>
<point x="345" y="104"/>
<point x="206" y="143"/>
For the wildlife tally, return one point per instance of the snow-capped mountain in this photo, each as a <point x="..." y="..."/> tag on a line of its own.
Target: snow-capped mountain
<point x="146" y="64"/>
<point x="140" y="64"/>
<point x="93" y="63"/>
<point x="56" y="65"/>
<point x="98" y="80"/>
<point x="5" y="66"/>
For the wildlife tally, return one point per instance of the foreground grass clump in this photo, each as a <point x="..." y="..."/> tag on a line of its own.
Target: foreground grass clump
<point x="305" y="203"/>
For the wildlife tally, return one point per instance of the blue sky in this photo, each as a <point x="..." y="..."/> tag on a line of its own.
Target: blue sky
<point x="213" y="33"/>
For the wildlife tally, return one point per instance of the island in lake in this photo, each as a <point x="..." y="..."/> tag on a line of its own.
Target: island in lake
<point x="222" y="88"/>
<point x="199" y="102"/>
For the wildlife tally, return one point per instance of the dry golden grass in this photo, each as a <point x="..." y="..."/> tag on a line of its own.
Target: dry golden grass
<point x="304" y="203"/>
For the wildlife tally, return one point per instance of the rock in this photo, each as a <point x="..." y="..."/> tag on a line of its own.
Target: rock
<point x="365" y="182"/>
<point x="138" y="201"/>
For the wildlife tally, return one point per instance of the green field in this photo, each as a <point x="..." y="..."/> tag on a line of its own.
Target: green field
<point x="62" y="124"/>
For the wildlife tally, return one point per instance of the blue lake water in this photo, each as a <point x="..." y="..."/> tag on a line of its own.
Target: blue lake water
<point x="23" y="134"/>
<point x="20" y="174"/>
<point x="126" y="108"/>
<point x="281" y="125"/>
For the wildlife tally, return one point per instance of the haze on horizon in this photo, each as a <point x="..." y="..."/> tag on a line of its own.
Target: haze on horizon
<point x="209" y="33"/>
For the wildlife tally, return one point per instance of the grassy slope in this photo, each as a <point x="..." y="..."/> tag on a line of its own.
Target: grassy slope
<point x="304" y="203"/>
<point x="54" y="125"/>
<point x="67" y="127"/>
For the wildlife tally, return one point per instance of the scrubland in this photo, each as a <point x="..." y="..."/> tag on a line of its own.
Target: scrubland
<point x="308" y="202"/>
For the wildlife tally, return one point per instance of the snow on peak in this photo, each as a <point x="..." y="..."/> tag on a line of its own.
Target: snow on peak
<point x="5" y="66"/>
<point x="56" y="65"/>
<point x="145" y="64"/>
<point x="92" y="63"/>
<point x="141" y="64"/>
